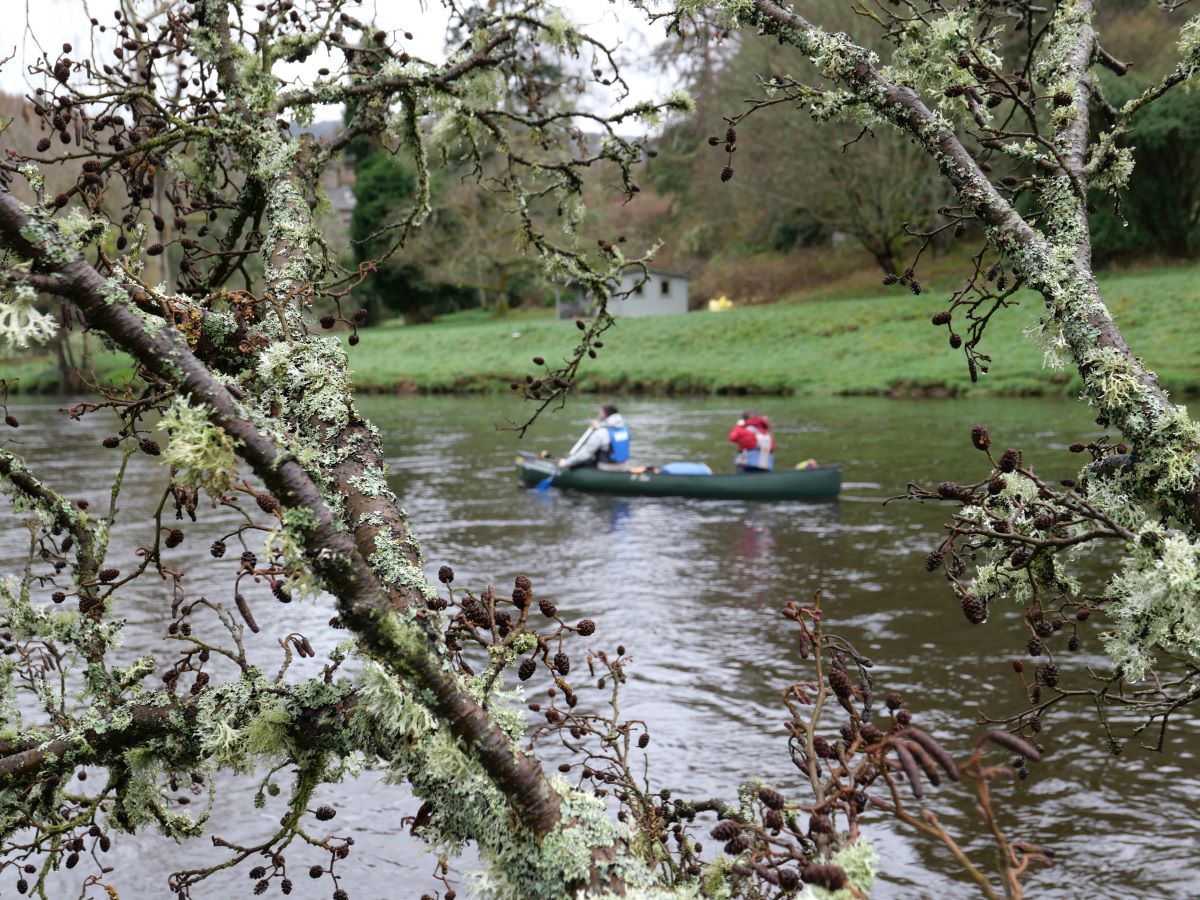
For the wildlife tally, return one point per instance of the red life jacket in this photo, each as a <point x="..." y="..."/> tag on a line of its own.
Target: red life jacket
<point x="761" y="455"/>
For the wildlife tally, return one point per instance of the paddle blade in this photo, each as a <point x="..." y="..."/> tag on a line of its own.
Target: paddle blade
<point x="544" y="484"/>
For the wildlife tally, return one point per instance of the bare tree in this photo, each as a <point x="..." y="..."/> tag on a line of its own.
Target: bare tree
<point x="871" y="185"/>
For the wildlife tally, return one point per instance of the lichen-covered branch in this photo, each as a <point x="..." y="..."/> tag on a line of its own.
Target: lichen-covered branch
<point x="1065" y="280"/>
<point x="960" y="78"/>
<point x="402" y="643"/>
<point x="238" y="372"/>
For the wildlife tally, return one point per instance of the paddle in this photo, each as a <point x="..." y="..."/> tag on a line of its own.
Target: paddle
<point x="544" y="484"/>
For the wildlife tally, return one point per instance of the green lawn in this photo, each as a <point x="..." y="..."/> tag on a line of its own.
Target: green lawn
<point x="880" y="345"/>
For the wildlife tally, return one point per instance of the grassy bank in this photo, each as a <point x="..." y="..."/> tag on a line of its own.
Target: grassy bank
<point x="38" y="373"/>
<point x="875" y="346"/>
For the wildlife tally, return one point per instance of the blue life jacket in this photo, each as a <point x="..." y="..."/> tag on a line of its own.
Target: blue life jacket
<point x="760" y="457"/>
<point x="618" y="444"/>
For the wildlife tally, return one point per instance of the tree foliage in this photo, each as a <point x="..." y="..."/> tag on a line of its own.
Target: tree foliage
<point x="1159" y="216"/>
<point x="403" y="282"/>
<point x="866" y="185"/>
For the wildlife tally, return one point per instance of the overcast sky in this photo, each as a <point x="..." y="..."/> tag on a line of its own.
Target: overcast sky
<point x="49" y="23"/>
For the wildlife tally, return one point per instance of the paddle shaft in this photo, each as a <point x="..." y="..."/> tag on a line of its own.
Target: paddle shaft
<point x="582" y="438"/>
<point x="529" y="454"/>
<point x="545" y="483"/>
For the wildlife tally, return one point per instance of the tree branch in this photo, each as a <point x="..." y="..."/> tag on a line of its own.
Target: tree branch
<point x="406" y="647"/>
<point x="1069" y="289"/>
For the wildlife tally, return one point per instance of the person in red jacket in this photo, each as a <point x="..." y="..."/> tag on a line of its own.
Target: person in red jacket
<point x="756" y="445"/>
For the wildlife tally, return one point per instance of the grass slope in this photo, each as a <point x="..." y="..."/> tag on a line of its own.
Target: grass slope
<point x="876" y="346"/>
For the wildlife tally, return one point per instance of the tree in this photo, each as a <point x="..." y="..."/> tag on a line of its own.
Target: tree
<point x="195" y="95"/>
<point x="1001" y="100"/>
<point x="1160" y="213"/>
<point x="469" y="253"/>
<point x="872" y="186"/>
<point x="471" y="250"/>
<point x="383" y="187"/>
<point x="184" y="110"/>
<point x="877" y="190"/>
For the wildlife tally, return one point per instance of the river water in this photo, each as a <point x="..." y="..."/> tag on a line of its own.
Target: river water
<point x="693" y="590"/>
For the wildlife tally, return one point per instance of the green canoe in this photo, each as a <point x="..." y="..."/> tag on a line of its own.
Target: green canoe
<point x="821" y="483"/>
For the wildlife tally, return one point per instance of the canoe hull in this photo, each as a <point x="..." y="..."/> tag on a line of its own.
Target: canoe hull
<point x="821" y="483"/>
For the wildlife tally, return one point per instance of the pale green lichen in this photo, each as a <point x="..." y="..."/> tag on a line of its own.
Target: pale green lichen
<point x="560" y="32"/>
<point x="466" y="805"/>
<point x="33" y="175"/>
<point x="284" y="544"/>
<point x="141" y="800"/>
<point x="716" y="881"/>
<point x="860" y="862"/>
<point x="1112" y="381"/>
<point x="309" y="379"/>
<point x="370" y="483"/>
<point x="990" y="582"/>
<point x="20" y="323"/>
<point x="679" y="101"/>
<point x="527" y="871"/>
<point x="1052" y="64"/>
<point x="1153" y="597"/>
<point x="1018" y="487"/>
<point x="1114" y="171"/>
<point x="203" y="454"/>
<point x="1157" y="593"/>
<point x="731" y="10"/>
<point x="10" y="713"/>
<point x="1189" y="48"/>
<point x="504" y="706"/>
<point x="1112" y="495"/>
<point x="80" y="229"/>
<point x="926" y="56"/>
<point x="391" y="564"/>
<point x="1048" y="335"/>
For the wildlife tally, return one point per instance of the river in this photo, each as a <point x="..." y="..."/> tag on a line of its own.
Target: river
<point x="693" y="590"/>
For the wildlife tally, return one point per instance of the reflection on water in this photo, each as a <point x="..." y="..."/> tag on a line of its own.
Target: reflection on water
<point x="693" y="589"/>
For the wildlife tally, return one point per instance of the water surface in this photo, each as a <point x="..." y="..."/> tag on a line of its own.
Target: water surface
<point x="693" y="590"/>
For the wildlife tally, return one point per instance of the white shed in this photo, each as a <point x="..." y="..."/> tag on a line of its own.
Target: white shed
<point x="653" y="292"/>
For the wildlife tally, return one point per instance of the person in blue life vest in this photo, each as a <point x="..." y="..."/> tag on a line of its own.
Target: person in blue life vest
<point x="604" y="445"/>
<point x="756" y="445"/>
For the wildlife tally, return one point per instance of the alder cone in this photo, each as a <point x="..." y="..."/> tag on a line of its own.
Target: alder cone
<point x="824" y="875"/>
<point x="974" y="609"/>
<point x="839" y="683"/>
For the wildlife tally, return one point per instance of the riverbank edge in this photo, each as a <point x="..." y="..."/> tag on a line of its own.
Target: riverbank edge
<point x="1050" y="384"/>
<point x="1055" y="385"/>
<point x="501" y="384"/>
